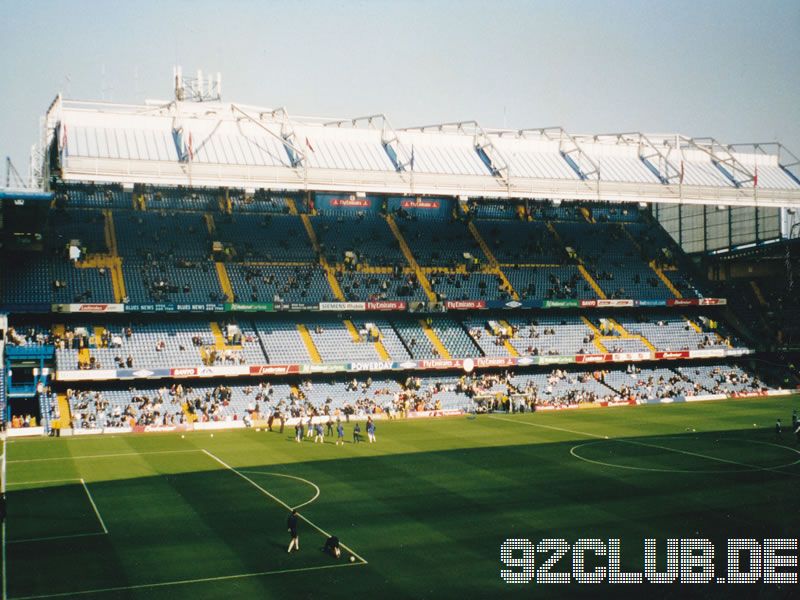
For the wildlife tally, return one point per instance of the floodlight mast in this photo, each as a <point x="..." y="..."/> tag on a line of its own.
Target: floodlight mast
<point x="197" y="89"/>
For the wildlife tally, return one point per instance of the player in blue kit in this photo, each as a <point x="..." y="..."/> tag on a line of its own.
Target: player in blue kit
<point x="339" y="433"/>
<point x="291" y="525"/>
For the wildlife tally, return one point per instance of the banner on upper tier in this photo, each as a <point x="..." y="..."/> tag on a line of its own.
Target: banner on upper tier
<point x="386" y="305"/>
<point x="88" y="308"/>
<point x="465" y="304"/>
<point x="342" y="306"/>
<point x="465" y="364"/>
<point x="378" y="305"/>
<point x="560" y="304"/>
<point x="250" y="307"/>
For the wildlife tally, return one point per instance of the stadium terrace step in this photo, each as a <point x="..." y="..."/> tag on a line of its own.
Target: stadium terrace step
<point x="507" y="343"/>
<point x="84" y="355"/>
<point x="352" y="330"/>
<point x="584" y="273"/>
<point x="757" y="292"/>
<point x="65" y="417"/>
<point x="224" y="280"/>
<point x="587" y="215"/>
<point x="113" y="264"/>
<point x="211" y="226"/>
<point x="381" y="349"/>
<point x="492" y="260"/>
<point x="312" y="236"/>
<point x="595" y="286"/>
<point x="597" y="335"/>
<point x="220" y="343"/>
<point x="434" y="339"/>
<point x="190" y="416"/>
<point x="316" y="358"/>
<point x="423" y="280"/>
<point x="664" y="279"/>
<point x="292" y="206"/>
<point x="625" y="334"/>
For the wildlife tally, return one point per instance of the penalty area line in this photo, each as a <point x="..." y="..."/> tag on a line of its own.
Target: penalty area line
<point x="145" y="586"/>
<point x="281" y="502"/>
<point x="657" y="446"/>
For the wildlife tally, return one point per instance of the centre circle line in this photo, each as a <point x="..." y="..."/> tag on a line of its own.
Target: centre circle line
<point x="748" y="468"/>
<point x="311" y="483"/>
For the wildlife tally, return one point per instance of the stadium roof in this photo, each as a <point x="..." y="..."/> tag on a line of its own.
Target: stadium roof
<point x="216" y="144"/>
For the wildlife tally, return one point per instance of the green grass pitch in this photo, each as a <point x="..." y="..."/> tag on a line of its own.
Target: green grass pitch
<point x="423" y="511"/>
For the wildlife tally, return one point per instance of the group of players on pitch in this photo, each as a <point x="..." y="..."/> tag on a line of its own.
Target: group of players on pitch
<point x="315" y="430"/>
<point x="795" y="426"/>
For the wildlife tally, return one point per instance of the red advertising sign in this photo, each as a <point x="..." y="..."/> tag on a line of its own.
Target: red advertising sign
<point x="672" y="355"/>
<point x="593" y="358"/>
<point x="683" y="302"/>
<point x="183" y="372"/>
<point x="357" y="202"/>
<point x="428" y="204"/>
<point x="273" y="369"/>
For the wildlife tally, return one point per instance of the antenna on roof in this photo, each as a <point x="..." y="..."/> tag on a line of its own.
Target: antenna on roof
<point x="197" y="89"/>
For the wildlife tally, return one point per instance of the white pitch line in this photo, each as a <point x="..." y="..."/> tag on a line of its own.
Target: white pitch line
<point x="5" y="576"/>
<point x="311" y="483"/>
<point x="646" y="445"/>
<point x="3" y="461"/>
<point x="281" y="502"/>
<point x="30" y="460"/>
<point x="94" y="506"/>
<point x="518" y="422"/>
<point x="57" y="537"/>
<point x="42" y="481"/>
<point x="144" y="586"/>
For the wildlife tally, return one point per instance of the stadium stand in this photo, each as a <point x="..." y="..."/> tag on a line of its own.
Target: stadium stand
<point x="421" y="232"/>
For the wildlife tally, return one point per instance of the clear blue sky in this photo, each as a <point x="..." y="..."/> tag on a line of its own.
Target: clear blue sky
<point x="703" y="68"/>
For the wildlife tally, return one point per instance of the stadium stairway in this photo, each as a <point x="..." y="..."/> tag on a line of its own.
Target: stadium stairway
<point x="224" y="280"/>
<point x="434" y="339"/>
<point x="664" y="279"/>
<point x="654" y="266"/>
<point x="220" y="343"/>
<point x="693" y="325"/>
<point x="312" y="236"/>
<point x="190" y="416"/>
<point x="381" y="349"/>
<point x="352" y="330"/>
<point x="508" y="345"/>
<point x="757" y="291"/>
<point x="493" y="264"/>
<point x="581" y="268"/>
<point x="316" y="358"/>
<point x="113" y="264"/>
<point x="625" y="334"/>
<point x="64" y="415"/>
<point x="423" y="280"/>
<point x="598" y="335"/>
<point x="587" y="215"/>
<point x="84" y="355"/>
